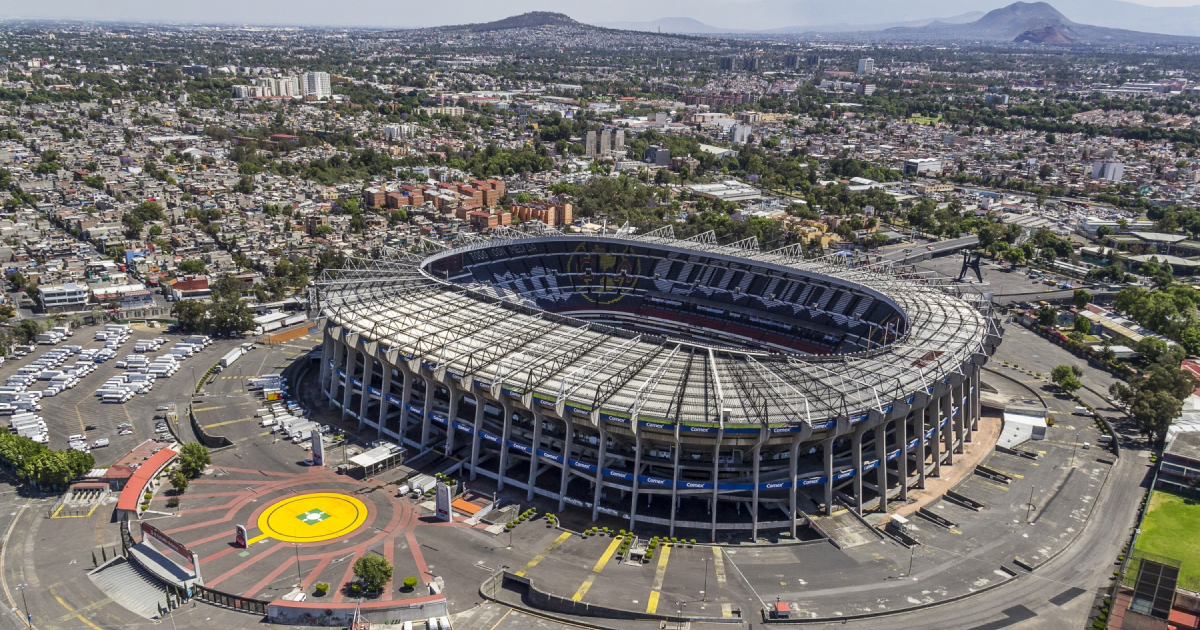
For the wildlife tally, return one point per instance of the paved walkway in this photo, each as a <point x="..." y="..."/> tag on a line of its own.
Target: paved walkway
<point x="983" y="441"/>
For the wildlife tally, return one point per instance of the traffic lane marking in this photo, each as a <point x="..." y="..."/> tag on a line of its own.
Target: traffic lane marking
<point x="562" y="538"/>
<point x="660" y="574"/>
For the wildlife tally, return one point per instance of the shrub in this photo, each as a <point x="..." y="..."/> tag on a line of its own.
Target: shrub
<point x="173" y="502"/>
<point x="321" y="588"/>
<point x="410" y="583"/>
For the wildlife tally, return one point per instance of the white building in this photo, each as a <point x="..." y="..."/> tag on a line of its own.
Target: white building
<point x="316" y="84"/>
<point x="866" y="66"/>
<point x="923" y="166"/>
<point x="72" y="295"/>
<point x="1108" y="171"/>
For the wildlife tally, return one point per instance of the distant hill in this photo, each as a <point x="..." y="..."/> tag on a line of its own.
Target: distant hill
<point x="533" y="19"/>
<point x="1028" y="22"/>
<point x="679" y="25"/>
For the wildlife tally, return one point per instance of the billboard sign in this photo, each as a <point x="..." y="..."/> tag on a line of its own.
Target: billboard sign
<point x="318" y="448"/>
<point x="239" y="536"/>
<point x="443" y="502"/>
<point x="171" y="543"/>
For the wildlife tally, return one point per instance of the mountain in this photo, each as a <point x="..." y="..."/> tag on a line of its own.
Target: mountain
<point x="533" y="19"/>
<point x="862" y="15"/>
<point x="677" y="25"/>
<point x="1027" y="22"/>
<point x="844" y="27"/>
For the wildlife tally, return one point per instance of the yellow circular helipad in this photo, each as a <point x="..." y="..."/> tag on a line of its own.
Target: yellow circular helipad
<point x="312" y="517"/>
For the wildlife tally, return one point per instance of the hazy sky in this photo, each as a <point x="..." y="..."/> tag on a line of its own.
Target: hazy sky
<point x="400" y="13"/>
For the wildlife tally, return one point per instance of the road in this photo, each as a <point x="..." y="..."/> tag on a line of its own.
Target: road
<point x="920" y="252"/>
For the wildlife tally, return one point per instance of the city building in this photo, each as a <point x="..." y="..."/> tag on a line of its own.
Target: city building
<point x="316" y="85"/>
<point x="866" y="66"/>
<point x="923" y="166"/>
<point x="1180" y="469"/>
<point x="658" y="156"/>
<point x="1108" y="171"/>
<point x="69" y="296"/>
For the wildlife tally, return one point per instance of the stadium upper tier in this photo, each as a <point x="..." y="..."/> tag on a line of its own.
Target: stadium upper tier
<point x="666" y="330"/>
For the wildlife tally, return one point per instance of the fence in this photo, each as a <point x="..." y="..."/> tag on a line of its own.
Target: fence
<point x="235" y="602"/>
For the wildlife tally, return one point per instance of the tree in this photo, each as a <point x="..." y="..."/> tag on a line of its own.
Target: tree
<point x="192" y="266"/>
<point x="1015" y="256"/>
<point x="179" y="481"/>
<point x="26" y="330"/>
<point x="1082" y="325"/>
<point x="373" y="571"/>
<point x="1082" y="298"/>
<point x="192" y="314"/>
<point x="1063" y="373"/>
<point x="1154" y="411"/>
<point x="1047" y="315"/>
<point x="193" y="458"/>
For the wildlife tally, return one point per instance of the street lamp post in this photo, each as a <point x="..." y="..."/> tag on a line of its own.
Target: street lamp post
<point x="28" y="617"/>
<point x="1029" y="511"/>
<point x="912" y="551"/>
<point x="195" y="383"/>
<point x="706" y="559"/>
<point x="299" y="577"/>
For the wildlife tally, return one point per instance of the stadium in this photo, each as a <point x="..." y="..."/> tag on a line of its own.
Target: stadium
<point x="676" y="383"/>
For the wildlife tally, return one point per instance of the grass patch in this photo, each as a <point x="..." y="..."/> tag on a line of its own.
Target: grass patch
<point x="1170" y="530"/>
<point x="925" y="120"/>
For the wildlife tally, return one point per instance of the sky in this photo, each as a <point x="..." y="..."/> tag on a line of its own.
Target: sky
<point x="416" y="13"/>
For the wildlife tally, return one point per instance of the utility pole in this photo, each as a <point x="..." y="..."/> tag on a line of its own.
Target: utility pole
<point x="1029" y="512"/>
<point x="912" y="551"/>
<point x="705" y="599"/>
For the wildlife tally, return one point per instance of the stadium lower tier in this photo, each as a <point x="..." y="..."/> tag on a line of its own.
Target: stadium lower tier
<point x="688" y="478"/>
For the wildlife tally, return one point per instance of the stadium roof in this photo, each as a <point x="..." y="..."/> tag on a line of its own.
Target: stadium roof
<point x="501" y="345"/>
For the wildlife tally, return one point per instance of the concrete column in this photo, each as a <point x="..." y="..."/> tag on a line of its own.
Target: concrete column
<point x="754" y="493"/>
<point x="793" y="465"/>
<point x="455" y="397"/>
<point x="339" y="351"/>
<point x="534" y="461"/>
<point x="935" y="442"/>
<point x="929" y="446"/>
<point x="674" y="480"/>
<point x="405" y="399"/>
<point x="364" y="402"/>
<point x="427" y="411"/>
<point x="599" y="472"/>
<point x="506" y="404"/>
<point x="972" y="421"/>
<point x="948" y="434"/>
<point x="477" y="430"/>
<point x="881" y="470"/>
<point x="568" y="446"/>
<point x="637" y="470"/>
<point x="715" y="479"/>
<point x="351" y="359"/>
<point x="326" y="357"/>
<point x="827" y="454"/>
<point x="960" y="418"/>
<point x="856" y="452"/>
<point x="902" y="459"/>
<point x="385" y="390"/>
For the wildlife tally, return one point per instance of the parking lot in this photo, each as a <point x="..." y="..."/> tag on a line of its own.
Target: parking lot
<point x="78" y="411"/>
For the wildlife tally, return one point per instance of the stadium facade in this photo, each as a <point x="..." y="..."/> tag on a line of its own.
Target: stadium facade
<point x="678" y="383"/>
